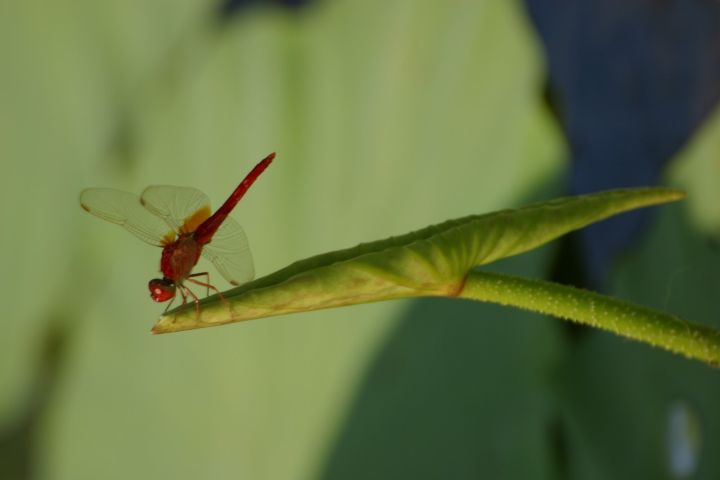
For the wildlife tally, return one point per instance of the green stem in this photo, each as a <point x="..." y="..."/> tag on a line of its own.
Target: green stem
<point x="633" y="321"/>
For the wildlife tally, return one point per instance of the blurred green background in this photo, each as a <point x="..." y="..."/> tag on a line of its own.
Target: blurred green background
<point x="387" y="117"/>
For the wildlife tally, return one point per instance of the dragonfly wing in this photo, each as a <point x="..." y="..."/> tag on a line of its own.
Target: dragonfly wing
<point x="230" y="253"/>
<point x="182" y="208"/>
<point x="124" y="209"/>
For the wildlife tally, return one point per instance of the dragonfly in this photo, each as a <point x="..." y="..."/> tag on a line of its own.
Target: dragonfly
<point x="178" y="220"/>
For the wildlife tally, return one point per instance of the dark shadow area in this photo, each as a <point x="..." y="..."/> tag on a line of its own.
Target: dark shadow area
<point x="568" y="268"/>
<point x="461" y="389"/>
<point x="18" y="441"/>
<point x="231" y="8"/>
<point x="618" y="396"/>
<point x="630" y="82"/>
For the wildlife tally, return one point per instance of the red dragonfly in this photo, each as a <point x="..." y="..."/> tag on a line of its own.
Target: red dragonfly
<point x="178" y="219"/>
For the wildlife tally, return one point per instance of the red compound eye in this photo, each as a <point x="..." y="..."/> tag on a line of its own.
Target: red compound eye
<point x="161" y="289"/>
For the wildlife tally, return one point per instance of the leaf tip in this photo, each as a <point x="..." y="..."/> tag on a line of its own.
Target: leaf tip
<point x="677" y="194"/>
<point x="160" y="326"/>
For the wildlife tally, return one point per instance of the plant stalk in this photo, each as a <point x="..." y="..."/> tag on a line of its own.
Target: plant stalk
<point x="588" y="308"/>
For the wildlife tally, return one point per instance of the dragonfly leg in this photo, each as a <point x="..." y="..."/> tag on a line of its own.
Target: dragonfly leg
<point x="169" y="304"/>
<point x="172" y="300"/>
<point x="195" y="299"/>
<point x="208" y="285"/>
<point x="182" y="292"/>
<point x="204" y="284"/>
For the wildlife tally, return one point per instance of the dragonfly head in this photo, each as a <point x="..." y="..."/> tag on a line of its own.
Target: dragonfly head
<point x="161" y="289"/>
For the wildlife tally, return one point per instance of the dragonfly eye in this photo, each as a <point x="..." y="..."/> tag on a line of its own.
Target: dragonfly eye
<point x="161" y="289"/>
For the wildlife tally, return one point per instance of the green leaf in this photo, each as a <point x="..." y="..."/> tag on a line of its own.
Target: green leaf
<point x="436" y="261"/>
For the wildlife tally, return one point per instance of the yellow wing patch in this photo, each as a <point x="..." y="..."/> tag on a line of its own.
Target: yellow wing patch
<point x="168" y="238"/>
<point x="192" y="222"/>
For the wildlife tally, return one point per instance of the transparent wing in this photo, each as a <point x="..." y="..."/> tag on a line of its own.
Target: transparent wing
<point x="230" y="253"/>
<point x="125" y="209"/>
<point x="182" y="208"/>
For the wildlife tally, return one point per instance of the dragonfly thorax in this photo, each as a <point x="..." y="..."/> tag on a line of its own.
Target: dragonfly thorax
<point x="179" y="258"/>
